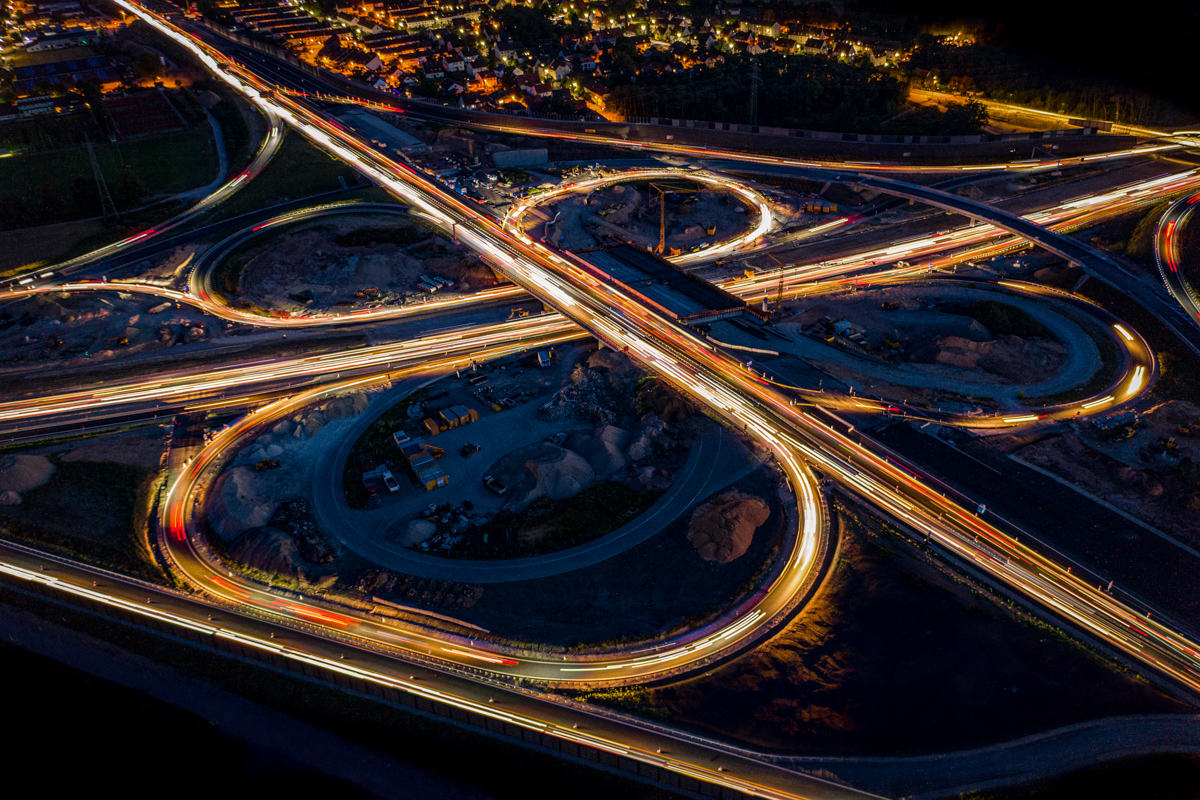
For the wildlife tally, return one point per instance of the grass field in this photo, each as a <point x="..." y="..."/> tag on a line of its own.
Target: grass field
<point x="173" y="162"/>
<point x="298" y="169"/>
<point x="900" y="656"/>
<point x="93" y="511"/>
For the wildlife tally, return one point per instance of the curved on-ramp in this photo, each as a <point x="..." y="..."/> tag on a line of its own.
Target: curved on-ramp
<point x="266" y="151"/>
<point x="1168" y="255"/>
<point x="794" y="578"/>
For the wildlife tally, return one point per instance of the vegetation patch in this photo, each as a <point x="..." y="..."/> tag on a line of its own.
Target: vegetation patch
<point x="229" y="115"/>
<point x="549" y="525"/>
<point x="95" y="511"/>
<point x="901" y="655"/>
<point x="37" y="188"/>
<point x="298" y="170"/>
<point x="370" y="237"/>
<point x="661" y="586"/>
<point x="1003" y="319"/>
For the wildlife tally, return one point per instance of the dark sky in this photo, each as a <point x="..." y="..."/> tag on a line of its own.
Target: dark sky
<point x="1152" y="44"/>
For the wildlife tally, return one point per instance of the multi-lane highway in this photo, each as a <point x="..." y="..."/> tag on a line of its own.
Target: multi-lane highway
<point x="315" y="641"/>
<point x="720" y="382"/>
<point x="244" y="382"/>
<point x="801" y="443"/>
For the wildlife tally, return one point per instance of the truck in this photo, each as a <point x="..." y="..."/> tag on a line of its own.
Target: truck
<point x="496" y="487"/>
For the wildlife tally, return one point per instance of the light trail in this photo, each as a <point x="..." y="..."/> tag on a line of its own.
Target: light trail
<point x="516" y="214"/>
<point x="795" y="438"/>
<point x="266" y="152"/>
<point x="1167" y="254"/>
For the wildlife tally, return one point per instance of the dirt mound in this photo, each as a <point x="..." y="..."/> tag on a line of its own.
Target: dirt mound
<point x="602" y="449"/>
<point x="650" y="479"/>
<point x="238" y="503"/>
<point x="349" y="406"/>
<point x="589" y="398"/>
<point x="295" y="519"/>
<point x="1012" y="358"/>
<point x="20" y="473"/>
<point x="621" y="372"/>
<point x="721" y="530"/>
<point x="270" y="550"/>
<point x="656" y="397"/>
<point x="559" y="474"/>
<point x="10" y="498"/>
<point x="651" y="437"/>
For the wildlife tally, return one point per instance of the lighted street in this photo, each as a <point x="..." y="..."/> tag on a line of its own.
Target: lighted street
<point x="733" y="460"/>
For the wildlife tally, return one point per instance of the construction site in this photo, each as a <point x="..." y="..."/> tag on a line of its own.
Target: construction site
<point x="671" y="216"/>
<point x="463" y="467"/>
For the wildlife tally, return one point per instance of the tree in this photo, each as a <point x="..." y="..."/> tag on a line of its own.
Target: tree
<point x="625" y="54"/>
<point x="427" y="87"/>
<point x="966" y="119"/>
<point x="130" y="190"/>
<point x="148" y="67"/>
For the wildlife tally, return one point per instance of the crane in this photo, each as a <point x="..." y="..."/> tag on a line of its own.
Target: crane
<point x="663" y="191"/>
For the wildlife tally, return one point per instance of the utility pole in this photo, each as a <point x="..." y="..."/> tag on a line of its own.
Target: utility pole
<point x="754" y="90"/>
<point x="107" y="207"/>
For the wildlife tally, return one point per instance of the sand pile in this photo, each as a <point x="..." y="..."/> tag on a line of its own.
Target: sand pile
<point x="559" y="473"/>
<point x="602" y="449"/>
<point x="722" y="529"/>
<point x="20" y="473"/>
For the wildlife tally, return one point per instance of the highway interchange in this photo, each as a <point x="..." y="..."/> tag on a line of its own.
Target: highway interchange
<point x="587" y="302"/>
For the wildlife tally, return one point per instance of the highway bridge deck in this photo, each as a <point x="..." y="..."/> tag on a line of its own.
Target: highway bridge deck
<point x="685" y="296"/>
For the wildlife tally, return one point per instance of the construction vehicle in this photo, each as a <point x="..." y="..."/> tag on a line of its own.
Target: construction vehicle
<point x="518" y="313"/>
<point x="370" y="293"/>
<point x="469" y="449"/>
<point x="710" y="230"/>
<point x="1190" y="429"/>
<point x="266" y="464"/>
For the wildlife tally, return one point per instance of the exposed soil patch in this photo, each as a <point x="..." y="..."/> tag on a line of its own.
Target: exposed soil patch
<point x="350" y="261"/>
<point x="1149" y="466"/>
<point x="573" y="451"/>
<point x="85" y="328"/>
<point x="275" y="467"/>
<point x="624" y="213"/>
